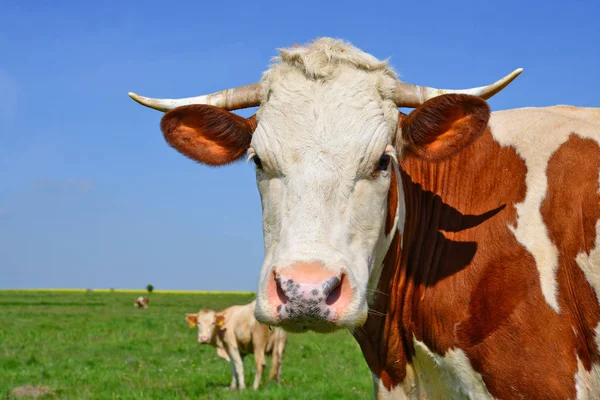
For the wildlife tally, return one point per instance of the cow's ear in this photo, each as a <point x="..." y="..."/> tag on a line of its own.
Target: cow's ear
<point x="220" y="320"/>
<point x="207" y="134"/>
<point x="443" y="126"/>
<point x="192" y="319"/>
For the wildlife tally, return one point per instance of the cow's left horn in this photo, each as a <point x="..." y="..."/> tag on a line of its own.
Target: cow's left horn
<point x="230" y="99"/>
<point x="407" y="95"/>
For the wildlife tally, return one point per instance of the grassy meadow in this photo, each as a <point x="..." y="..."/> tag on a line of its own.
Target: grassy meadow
<point x="82" y="345"/>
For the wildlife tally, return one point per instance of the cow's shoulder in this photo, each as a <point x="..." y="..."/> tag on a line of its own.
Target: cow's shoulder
<point x="547" y="127"/>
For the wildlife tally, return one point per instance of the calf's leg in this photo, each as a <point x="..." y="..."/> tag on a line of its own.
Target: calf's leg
<point x="277" y="358"/>
<point x="238" y="366"/>
<point x="259" y="359"/>
<point x="233" y="384"/>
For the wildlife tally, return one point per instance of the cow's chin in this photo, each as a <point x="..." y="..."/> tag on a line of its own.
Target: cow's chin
<point x="322" y="326"/>
<point x="305" y="326"/>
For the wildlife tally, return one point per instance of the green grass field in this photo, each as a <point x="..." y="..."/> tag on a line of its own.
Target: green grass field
<point x="97" y="346"/>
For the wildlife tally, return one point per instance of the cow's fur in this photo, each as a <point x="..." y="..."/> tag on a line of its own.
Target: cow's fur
<point x="235" y="333"/>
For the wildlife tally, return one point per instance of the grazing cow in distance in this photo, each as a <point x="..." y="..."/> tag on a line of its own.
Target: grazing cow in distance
<point x="474" y="237"/>
<point x="235" y="332"/>
<point x="141" y="302"/>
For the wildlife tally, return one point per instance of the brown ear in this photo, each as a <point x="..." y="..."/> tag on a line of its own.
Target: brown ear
<point x="444" y="125"/>
<point x="220" y="325"/>
<point x="207" y="134"/>
<point x="192" y="319"/>
<point x="220" y="320"/>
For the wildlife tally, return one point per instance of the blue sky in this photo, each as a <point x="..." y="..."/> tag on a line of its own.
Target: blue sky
<point x="90" y="194"/>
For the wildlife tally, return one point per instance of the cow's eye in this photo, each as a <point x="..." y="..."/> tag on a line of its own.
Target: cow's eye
<point x="257" y="161"/>
<point x="384" y="162"/>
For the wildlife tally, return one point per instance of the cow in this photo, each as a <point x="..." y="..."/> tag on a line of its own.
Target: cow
<point x="235" y="333"/>
<point x="460" y="247"/>
<point x="141" y="302"/>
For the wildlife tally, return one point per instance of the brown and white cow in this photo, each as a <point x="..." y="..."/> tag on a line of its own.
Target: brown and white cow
<point x="235" y="333"/>
<point x="141" y="302"/>
<point x="472" y="236"/>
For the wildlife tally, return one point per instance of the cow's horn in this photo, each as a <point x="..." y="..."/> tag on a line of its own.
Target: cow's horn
<point x="230" y="99"/>
<point x="407" y="95"/>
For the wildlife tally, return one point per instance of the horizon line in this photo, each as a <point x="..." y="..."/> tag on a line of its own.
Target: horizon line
<point x="101" y="290"/>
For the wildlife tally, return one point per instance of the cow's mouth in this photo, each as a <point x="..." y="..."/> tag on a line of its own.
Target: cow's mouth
<point x="305" y="325"/>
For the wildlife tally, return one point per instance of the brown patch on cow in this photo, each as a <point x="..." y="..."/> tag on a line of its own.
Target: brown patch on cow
<point x="570" y="211"/>
<point x="457" y="213"/>
<point x="462" y="281"/>
<point x="392" y="203"/>
<point x="31" y="391"/>
<point x="444" y="125"/>
<point x="207" y="134"/>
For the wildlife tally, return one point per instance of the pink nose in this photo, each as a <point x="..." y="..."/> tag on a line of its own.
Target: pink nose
<point x="308" y="292"/>
<point x="203" y="339"/>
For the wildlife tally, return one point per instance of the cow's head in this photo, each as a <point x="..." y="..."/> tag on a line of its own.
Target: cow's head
<point x="208" y="323"/>
<point x="325" y="142"/>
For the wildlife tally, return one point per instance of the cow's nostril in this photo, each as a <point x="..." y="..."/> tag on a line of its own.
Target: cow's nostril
<point x="333" y="290"/>
<point x="330" y="285"/>
<point x="280" y="292"/>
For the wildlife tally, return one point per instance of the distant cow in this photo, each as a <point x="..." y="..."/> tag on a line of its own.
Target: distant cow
<point x="235" y="333"/>
<point x="141" y="302"/>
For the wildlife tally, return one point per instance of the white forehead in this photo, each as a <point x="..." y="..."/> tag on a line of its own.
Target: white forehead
<point x="206" y="318"/>
<point x="327" y="98"/>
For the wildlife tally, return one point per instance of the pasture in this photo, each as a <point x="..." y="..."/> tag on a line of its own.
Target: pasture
<point x="97" y="346"/>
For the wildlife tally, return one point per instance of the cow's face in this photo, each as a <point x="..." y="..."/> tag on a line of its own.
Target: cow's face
<point x="325" y="142"/>
<point x="206" y="322"/>
<point x="324" y="156"/>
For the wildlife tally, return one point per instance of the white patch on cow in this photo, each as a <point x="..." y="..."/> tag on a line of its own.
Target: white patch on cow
<point x="432" y="376"/>
<point x="396" y="393"/>
<point x="450" y="376"/>
<point x="587" y="383"/>
<point x="535" y="134"/>
<point x="326" y="118"/>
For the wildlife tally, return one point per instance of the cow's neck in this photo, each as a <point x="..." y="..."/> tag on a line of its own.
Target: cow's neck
<point x="421" y="286"/>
